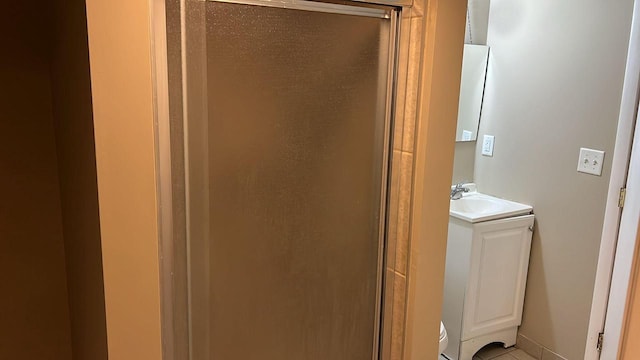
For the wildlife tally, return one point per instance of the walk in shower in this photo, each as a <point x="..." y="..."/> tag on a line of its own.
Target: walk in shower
<point x="278" y="147"/>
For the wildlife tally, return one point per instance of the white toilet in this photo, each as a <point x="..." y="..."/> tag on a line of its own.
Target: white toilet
<point x="444" y="339"/>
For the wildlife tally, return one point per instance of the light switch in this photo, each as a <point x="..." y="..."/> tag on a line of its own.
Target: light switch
<point x="466" y="135"/>
<point x="590" y="161"/>
<point x="487" y="145"/>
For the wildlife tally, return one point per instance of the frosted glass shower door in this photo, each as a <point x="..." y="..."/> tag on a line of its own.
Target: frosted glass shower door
<point x="293" y="146"/>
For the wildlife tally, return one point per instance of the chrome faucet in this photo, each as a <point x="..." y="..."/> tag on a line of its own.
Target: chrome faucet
<point x="456" y="192"/>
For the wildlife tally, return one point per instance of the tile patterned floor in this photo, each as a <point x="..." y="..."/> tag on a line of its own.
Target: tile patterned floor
<point x="497" y="352"/>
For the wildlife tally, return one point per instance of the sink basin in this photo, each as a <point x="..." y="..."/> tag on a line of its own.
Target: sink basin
<point x="476" y="207"/>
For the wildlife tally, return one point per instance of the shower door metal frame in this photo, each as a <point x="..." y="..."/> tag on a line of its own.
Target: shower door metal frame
<point x="173" y="204"/>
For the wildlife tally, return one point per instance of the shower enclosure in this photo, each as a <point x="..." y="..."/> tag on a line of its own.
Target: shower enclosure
<point x="278" y="151"/>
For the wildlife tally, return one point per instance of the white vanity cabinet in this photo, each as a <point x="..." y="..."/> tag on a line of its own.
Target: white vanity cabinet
<point x="485" y="277"/>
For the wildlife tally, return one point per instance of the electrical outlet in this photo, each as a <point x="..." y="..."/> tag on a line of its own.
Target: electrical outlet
<point x="590" y="161"/>
<point x="487" y="145"/>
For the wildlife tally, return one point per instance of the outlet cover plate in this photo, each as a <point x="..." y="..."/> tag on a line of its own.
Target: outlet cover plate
<point x="590" y="161"/>
<point x="487" y="145"/>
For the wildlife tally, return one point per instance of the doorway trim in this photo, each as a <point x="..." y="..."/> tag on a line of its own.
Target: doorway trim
<point x="615" y="260"/>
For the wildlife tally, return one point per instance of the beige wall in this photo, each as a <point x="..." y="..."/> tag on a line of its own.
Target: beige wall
<point x="553" y="85"/>
<point x="34" y="313"/>
<point x="435" y="133"/>
<point x="73" y="124"/>
<point x="463" y="162"/>
<point x="120" y="58"/>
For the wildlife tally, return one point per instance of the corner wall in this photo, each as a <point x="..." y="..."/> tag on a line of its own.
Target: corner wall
<point x="73" y="125"/>
<point x="123" y="111"/>
<point x="553" y="85"/>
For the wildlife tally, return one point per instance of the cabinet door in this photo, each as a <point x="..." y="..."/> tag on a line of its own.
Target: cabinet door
<point x="497" y="275"/>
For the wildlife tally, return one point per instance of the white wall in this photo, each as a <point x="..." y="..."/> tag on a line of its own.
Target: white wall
<point x="554" y="85"/>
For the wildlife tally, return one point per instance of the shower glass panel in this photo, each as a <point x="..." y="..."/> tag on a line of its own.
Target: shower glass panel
<point x="286" y="158"/>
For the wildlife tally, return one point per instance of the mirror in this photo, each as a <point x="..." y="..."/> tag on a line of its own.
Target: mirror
<point x="474" y="70"/>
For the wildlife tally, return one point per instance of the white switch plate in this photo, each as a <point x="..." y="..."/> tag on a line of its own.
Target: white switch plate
<point x="590" y="161"/>
<point x="466" y="135"/>
<point x="487" y="145"/>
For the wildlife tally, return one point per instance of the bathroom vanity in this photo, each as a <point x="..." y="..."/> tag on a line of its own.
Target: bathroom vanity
<point x="486" y="271"/>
